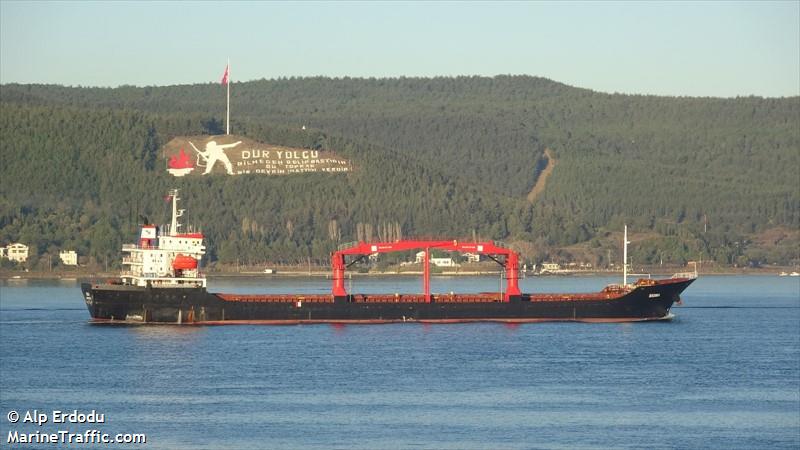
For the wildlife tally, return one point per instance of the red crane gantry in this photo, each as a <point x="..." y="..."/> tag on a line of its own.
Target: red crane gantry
<point x="489" y="248"/>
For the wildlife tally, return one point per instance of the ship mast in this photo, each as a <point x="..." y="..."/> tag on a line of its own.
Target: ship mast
<point x="173" y="230"/>
<point x="625" y="257"/>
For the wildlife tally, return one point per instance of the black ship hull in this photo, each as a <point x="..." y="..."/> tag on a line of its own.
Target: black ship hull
<point x="116" y="303"/>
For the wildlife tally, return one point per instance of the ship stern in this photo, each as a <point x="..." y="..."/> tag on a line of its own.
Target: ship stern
<point x="113" y="302"/>
<point x="88" y="299"/>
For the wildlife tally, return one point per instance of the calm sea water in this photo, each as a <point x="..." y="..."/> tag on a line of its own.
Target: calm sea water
<point x="724" y="374"/>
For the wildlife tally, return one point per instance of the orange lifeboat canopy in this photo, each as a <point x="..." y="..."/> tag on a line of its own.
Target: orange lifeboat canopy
<point x="183" y="262"/>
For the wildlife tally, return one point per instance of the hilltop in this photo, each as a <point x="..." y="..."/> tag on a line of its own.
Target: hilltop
<point x="702" y="177"/>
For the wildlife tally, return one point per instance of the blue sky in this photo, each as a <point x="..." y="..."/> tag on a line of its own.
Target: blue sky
<point x="720" y="49"/>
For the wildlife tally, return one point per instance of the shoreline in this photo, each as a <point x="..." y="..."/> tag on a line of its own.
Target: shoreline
<point x="70" y="276"/>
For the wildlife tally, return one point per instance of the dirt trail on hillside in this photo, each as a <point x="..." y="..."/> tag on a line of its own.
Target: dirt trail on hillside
<point x="538" y="188"/>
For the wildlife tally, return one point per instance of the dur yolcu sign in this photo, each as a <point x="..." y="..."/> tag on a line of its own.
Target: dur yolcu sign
<point x="232" y="155"/>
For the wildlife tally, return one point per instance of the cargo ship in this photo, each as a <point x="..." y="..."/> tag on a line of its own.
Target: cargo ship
<point x="162" y="282"/>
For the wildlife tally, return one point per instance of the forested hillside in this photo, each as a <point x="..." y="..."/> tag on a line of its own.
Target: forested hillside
<point x="703" y="177"/>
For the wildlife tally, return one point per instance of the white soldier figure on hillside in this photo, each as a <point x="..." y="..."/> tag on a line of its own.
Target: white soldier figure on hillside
<point x="215" y="152"/>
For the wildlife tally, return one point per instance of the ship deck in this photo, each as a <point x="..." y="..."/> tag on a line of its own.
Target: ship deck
<point x="484" y="297"/>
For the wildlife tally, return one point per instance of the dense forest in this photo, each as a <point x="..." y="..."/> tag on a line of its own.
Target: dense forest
<point x="694" y="178"/>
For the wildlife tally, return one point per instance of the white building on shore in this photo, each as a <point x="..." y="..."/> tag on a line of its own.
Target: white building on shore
<point x="551" y="267"/>
<point x="472" y="257"/>
<point x="69" y="258"/>
<point x="438" y="262"/>
<point x="15" y="252"/>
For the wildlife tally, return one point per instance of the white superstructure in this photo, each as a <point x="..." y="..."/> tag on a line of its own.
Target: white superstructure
<point x="165" y="258"/>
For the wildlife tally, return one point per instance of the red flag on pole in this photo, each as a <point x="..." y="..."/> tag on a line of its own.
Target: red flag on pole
<point x="225" y="76"/>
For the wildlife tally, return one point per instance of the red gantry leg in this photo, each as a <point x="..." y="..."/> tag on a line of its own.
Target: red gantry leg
<point x="512" y="275"/>
<point x="337" y="261"/>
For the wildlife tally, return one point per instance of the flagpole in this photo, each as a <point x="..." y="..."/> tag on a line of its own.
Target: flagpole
<point x="228" y="119"/>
